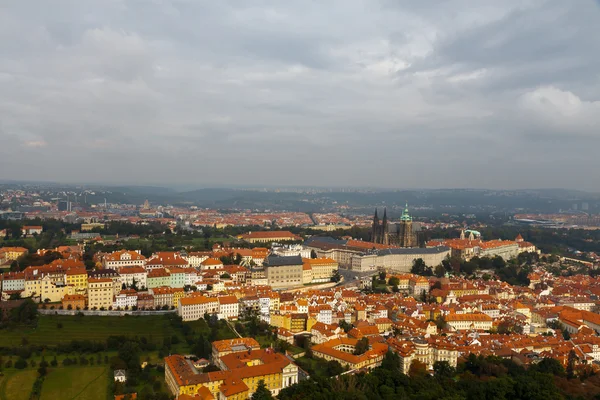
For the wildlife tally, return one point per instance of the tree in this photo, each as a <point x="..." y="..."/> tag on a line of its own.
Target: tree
<point x="443" y="370"/>
<point x="439" y="271"/>
<point x="21" y="363"/>
<point x="420" y="268"/>
<point x="391" y="361"/>
<point x="440" y="322"/>
<point x="313" y="254"/>
<point x="417" y="369"/>
<point x="394" y="281"/>
<point x="25" y="313"/>
<point x="550" y="366"/>
<point x="336" y="277"/>
<point x="262" y="392"/>
<point x="14" y="266"/>
<point x="334" y="368"/>
<point x="361" y="346"/>
<point x="345" y="325"/>
<point x="570" y="364"/>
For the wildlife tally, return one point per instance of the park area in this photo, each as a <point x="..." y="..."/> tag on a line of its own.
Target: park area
<point x="77" y="383"/>
<point x="17" y="384"/>
<point x="51" y="330"/>
<point x="81" y="351"/>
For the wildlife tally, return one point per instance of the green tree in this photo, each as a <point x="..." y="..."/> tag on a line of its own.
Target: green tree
<point x="420" y="268"/>
<point x="345" y="325"/>
<point x="549" y="366"/>
<point x="443" y="370"/>
<point x="262" y="392"/>
<point x="571" y="361"/>
<point x="336" y="277"/>
<point x="439" y="271"/>
<point x="394" y="281"/>
<point x="361" y="346"/>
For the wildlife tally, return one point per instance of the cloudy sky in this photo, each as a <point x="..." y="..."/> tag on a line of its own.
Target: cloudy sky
<point x="390" y="93"/>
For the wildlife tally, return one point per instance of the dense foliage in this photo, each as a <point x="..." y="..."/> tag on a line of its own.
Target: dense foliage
<point x="477" y="378"/>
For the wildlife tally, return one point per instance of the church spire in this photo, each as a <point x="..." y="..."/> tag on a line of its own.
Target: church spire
<point x="405" y="215"/>
<point x="376" y="218"/>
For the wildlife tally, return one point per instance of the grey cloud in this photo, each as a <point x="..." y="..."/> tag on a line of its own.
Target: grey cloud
<point x="391" y="93"/>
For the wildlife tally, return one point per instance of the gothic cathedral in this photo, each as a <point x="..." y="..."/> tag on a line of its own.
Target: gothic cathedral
<point x="394" y="234"/>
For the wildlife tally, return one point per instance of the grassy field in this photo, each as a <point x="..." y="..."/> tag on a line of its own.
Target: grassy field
<point x="76" y="383"/>
<point x="17" y="385"/>
<point x="47" y="331"/>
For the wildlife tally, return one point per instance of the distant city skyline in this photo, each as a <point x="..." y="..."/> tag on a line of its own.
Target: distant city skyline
<point x="354" y="94"/>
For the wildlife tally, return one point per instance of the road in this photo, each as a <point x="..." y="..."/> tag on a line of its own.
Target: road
<point x="349" y="277"/>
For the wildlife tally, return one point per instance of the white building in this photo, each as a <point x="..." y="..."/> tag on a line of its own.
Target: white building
<point x="131" y="275"/>
<point x="195" y="259"/>
<point x="229" y="307"/>
<point x="291" y="250"/>
<point x="325" y="314"/>
<point x="461" y="322"/>
<point x="191" y="277"/>
<point x="13" y="281"/>
<point x="119" y="259"/>
<point x="398" y="260"/>
<point x="194" y="308"/>
<point x="126" y="299"/>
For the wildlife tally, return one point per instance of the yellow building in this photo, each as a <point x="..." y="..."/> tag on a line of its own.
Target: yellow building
<point x="240" y="375"/>
<point x="222" y="348"/>
<point x="281" y="321"/>
<point x="100" y="293"/>
<point x="341" y="350"/>
<point x="269" y="236"/>
<point x="46" y="289"/>
<point x="307" y="275"/>
<point x="12" y="253"/>
<point x="178" y="294"/>
<point x="322" y="268"/>
<point x="78" y="278"/>
<point x="92" y="225"/>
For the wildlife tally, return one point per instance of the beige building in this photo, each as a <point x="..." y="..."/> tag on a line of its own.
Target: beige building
<point x="322" y="269"/>
<point x="399" y="260"/>
<point x="124" y="258"/>
<point x="269" y="236"/>
<point x="342" y="349"/>
<point x="100" y="293"/>
<point x="475" y="321"/>
<point x="427" y="352"/>
<point x="11" y="253"/>
<point x="283" y="272"/>
<point x="47" y="288"/>
<point x="194" y="308"/>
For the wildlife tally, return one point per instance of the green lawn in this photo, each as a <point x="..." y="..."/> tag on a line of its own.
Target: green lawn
<point x="314" y="366"/>
<point x="17" y="384"/>
<point x="76" y="383"/>
<point x="98" y="329"/>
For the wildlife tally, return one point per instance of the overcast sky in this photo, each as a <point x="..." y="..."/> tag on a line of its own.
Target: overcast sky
<point x="390" y="93"/>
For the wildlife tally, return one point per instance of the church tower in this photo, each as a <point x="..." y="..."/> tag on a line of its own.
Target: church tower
<point x="384" y="228"/>
<point x="406" y="236"/>
<point x="375" y="237"/>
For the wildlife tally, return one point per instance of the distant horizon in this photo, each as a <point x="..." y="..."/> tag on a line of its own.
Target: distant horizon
<point x="189" y="188"/>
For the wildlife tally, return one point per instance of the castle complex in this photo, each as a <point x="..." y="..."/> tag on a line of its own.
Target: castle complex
<point x="394" y="234"/>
